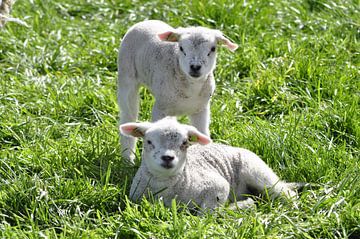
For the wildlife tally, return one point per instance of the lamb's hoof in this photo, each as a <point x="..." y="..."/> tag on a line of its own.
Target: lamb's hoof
<point x="243" y="204"/>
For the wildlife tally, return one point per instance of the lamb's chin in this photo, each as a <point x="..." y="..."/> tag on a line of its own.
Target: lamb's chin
<point x="164" y="172"/>
<point x="167" y="165"/>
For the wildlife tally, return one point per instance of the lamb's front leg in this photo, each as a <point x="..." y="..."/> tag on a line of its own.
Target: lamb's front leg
<point x="201" y="120"/>
<point x="128" y="101"/>
<point x="216" y="193"/>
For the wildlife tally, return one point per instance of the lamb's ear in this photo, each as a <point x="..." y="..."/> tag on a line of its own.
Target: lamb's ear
<point x="134" y="129"/>
<point x="196" y="137"/>
<point x="169" y="36"/>
<point x="223" y="40"/>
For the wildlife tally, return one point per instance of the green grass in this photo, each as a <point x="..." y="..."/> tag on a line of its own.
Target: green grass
<point x="290" y="93"/>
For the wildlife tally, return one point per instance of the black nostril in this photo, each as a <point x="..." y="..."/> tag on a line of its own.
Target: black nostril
<point x="167" y="158"/>
<point x="195" y="67"/>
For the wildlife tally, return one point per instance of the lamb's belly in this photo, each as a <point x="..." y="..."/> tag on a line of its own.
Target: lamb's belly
<point x="186" y="106"/>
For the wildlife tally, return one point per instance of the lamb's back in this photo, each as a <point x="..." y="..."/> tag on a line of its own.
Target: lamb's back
<point x="142" y="50"/>
<point x="144" y="35"/>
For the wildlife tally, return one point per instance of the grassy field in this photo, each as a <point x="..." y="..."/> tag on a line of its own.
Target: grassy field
<point x="290" y="93"/>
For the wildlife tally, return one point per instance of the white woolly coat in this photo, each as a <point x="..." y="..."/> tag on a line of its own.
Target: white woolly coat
<point x="213" y="174"/>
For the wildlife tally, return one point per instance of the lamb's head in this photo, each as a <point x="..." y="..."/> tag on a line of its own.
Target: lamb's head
<point x="197" y="49"/>
<point x="165" y="144"/>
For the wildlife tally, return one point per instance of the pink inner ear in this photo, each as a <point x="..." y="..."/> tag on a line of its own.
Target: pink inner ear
<point x="127" y="128"/>
<point x="203" y="139"/>
<point x="165" y="36"/>
<point x="230" y="45"/>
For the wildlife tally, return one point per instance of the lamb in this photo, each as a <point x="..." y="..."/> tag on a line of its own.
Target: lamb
<point x="180" y="162"/>
<point x="176" y="65"/>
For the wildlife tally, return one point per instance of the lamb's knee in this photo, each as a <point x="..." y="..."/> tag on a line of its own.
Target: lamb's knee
<point x="218" y="194"/>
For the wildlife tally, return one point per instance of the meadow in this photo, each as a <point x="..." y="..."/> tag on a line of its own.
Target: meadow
<point x="290" y="93"/>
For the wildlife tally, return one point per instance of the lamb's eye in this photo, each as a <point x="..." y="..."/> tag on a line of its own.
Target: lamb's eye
<point x="212" y="49"/>
<point x="182" y="50"/>
<point x="149" y="142"/>
<point x="185" y="144"/>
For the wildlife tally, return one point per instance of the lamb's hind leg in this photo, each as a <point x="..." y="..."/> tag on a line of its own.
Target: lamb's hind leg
<point x="259" y="177"/>
<point x="128" y="100"/>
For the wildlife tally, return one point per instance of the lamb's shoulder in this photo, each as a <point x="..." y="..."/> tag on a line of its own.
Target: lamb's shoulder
<point x="221" y="158"/>
<point x="156" y="62"/>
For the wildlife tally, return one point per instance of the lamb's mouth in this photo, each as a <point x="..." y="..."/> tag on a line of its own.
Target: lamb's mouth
<point x="195" y="74"/>
<point x="167" y="165"/>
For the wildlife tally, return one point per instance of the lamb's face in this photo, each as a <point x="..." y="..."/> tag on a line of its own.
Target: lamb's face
<point x="197" y="48"/>
<point x="165" y="144"/>
<point x="197" y="53"/>
<point x="164" y="150"/>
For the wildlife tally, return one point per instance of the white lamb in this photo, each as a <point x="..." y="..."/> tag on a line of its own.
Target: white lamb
<point x="176" y="65"/>
<point x="203" y="175"/>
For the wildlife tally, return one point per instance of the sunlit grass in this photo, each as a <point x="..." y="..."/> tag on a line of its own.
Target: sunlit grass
<point x="290" y="93"/>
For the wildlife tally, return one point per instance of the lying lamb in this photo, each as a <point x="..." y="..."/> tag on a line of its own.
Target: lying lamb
<point x="176" y="65"/>
<point x="205" y="175"/>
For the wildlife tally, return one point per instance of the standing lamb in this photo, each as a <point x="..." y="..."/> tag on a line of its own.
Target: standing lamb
<point x="176" y="65"/>
<point x="205" y="175"/>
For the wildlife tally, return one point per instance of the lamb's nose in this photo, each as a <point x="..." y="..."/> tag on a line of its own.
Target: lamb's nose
<point x="167" y="158"/>
<point x="195" y="67"/>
